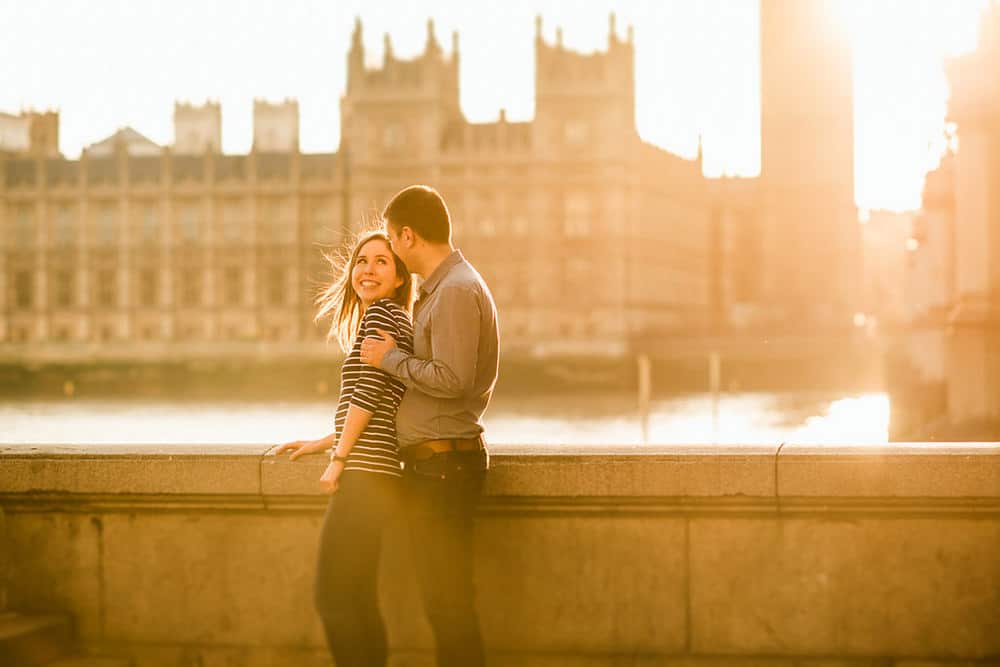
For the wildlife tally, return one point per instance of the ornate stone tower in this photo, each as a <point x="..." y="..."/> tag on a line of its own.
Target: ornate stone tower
<point x="43" y="132"/>
<point x="398" y="112"/>
<point x="276" y="126"/>
<point x="811" y="244"/>
<point x="584" y="102"/>
<point x="30" y="133"/>
<point x="197" y="129"/>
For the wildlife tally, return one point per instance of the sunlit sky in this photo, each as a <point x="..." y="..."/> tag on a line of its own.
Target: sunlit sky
<point x="110" y="63"/>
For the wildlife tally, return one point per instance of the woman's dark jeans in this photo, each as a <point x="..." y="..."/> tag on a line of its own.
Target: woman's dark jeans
<point x="346" y="576"/>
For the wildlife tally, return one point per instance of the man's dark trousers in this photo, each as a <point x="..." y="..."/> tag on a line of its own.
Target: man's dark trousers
<point x="441" y="497"/>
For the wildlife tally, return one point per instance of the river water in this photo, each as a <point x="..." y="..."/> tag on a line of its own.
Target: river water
<point x="551" y="419"/>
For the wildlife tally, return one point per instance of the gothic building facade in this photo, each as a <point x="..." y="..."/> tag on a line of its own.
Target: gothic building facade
<point x="592" y="240"/>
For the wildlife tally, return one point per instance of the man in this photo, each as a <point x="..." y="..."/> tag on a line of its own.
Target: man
<point x="449" y="381"/>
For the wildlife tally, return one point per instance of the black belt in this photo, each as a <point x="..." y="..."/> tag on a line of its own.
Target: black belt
<point x="428" y="448"/>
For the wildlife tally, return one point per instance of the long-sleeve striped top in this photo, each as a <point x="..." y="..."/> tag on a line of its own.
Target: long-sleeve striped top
<point x="374" y="390"/>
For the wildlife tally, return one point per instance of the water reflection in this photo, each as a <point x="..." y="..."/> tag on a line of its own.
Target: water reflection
<point x="551" y="419"/>
<point x="742" y="418"/>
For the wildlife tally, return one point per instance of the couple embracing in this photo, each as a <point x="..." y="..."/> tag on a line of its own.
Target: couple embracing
<point x="408" y="432"/>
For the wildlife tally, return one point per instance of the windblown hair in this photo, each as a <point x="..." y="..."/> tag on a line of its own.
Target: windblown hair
<point x="339" y="300"/>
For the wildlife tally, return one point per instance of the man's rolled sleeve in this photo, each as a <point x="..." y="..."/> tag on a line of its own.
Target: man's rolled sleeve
<point x="450" y="372"/>
<point x="392" y="359"/>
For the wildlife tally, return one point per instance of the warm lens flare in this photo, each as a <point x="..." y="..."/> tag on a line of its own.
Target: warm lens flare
<point x="697" y="69"/>
<point x="900" y="90"/>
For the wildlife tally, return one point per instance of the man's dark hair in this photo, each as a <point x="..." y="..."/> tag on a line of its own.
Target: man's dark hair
<point x="422" y="209"/>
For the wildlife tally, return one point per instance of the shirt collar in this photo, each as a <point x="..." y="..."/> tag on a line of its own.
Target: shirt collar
<point x="441" y="271"/>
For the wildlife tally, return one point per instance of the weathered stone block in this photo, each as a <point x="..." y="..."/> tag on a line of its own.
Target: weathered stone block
<point x="281" y="477"/>
<point x="627" y="471"/>
<point x="139" y="469"/>
<point x="153" y="655"/>
<point x="912" y="470"/>
<point x="582" y="584"/>
<point x="54" y="565"/>
<point x="211" y="578"/>
<point x="862" y="586"/>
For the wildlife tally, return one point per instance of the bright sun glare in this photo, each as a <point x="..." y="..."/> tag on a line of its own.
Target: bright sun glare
<point x="900" y="89"/>
<point x="697" y="69"/>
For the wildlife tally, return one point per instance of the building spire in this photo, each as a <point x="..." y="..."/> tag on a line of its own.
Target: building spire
<point x="538" y="26"/>
<point x="356" y="44"/>
<point x="454" y="44"/>
<point x="356" y="56"/>
<point x="387" y="47"/>
<point x="611" y="28"/>
<point x="432" y="43"/>
<point x="559" y="42"/>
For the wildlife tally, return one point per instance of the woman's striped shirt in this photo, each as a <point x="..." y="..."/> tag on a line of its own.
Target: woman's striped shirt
<point x="374" y="390"/>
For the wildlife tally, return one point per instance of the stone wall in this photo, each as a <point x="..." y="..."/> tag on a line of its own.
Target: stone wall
<point x="596" y="556"/>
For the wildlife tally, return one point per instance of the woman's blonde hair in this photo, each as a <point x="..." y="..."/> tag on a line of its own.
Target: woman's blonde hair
<point x="341" y="302"/>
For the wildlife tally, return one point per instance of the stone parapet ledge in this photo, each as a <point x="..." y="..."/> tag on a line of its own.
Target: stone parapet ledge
<point x="692" y="556"/>
<point x="759" y="475"/>
<point x="165" y="469"/>
<point x="910" y="470"/>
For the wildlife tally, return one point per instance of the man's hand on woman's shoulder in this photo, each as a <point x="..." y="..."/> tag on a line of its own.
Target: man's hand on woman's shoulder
<point x="373" y="350"/>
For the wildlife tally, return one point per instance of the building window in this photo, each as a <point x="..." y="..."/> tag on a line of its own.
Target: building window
<point x="393" y="138"/>
<point x="232" y="222"/>
<point x="150" y="229"/>
<point x="149" y="287"/>
<point x="65" y="229"/>
<point x="232" y="286"/>
<point x="268" y="227"/>
<point x="23" y="289"/>
<point x="24" y="228"/>
<point x="107" y="288"/>
<point x="189" y="224"/>
<point x="63" y="283"/>
<point x="276" y="287"/>
<point x="576" y="132"/>
<point x="519" y="226"/>
<point x="191" y="288"/>
<point x="579" y="276"/>
<point x="472" y="206"/>
<point x="107" y="230"/>
<point x="577" y="218"/>
<point x="277" y="222"/>
<point x="322" y="223"/>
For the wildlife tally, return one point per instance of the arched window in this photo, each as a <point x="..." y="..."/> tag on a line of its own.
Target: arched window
<point x="577" y="215"/>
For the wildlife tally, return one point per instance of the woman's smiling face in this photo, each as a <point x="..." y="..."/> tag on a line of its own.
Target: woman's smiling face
<point x="374" y="276"/>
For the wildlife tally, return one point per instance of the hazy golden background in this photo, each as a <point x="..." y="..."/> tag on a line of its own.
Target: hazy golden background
<point x="108" y="64"/>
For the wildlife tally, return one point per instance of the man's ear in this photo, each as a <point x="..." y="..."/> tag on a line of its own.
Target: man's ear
<point x="407" y="235"/>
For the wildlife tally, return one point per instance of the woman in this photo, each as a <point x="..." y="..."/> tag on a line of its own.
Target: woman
<point x="373" y="291"/>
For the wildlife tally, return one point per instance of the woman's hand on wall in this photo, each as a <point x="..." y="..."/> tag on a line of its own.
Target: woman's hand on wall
<point x="300" y="447"/>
